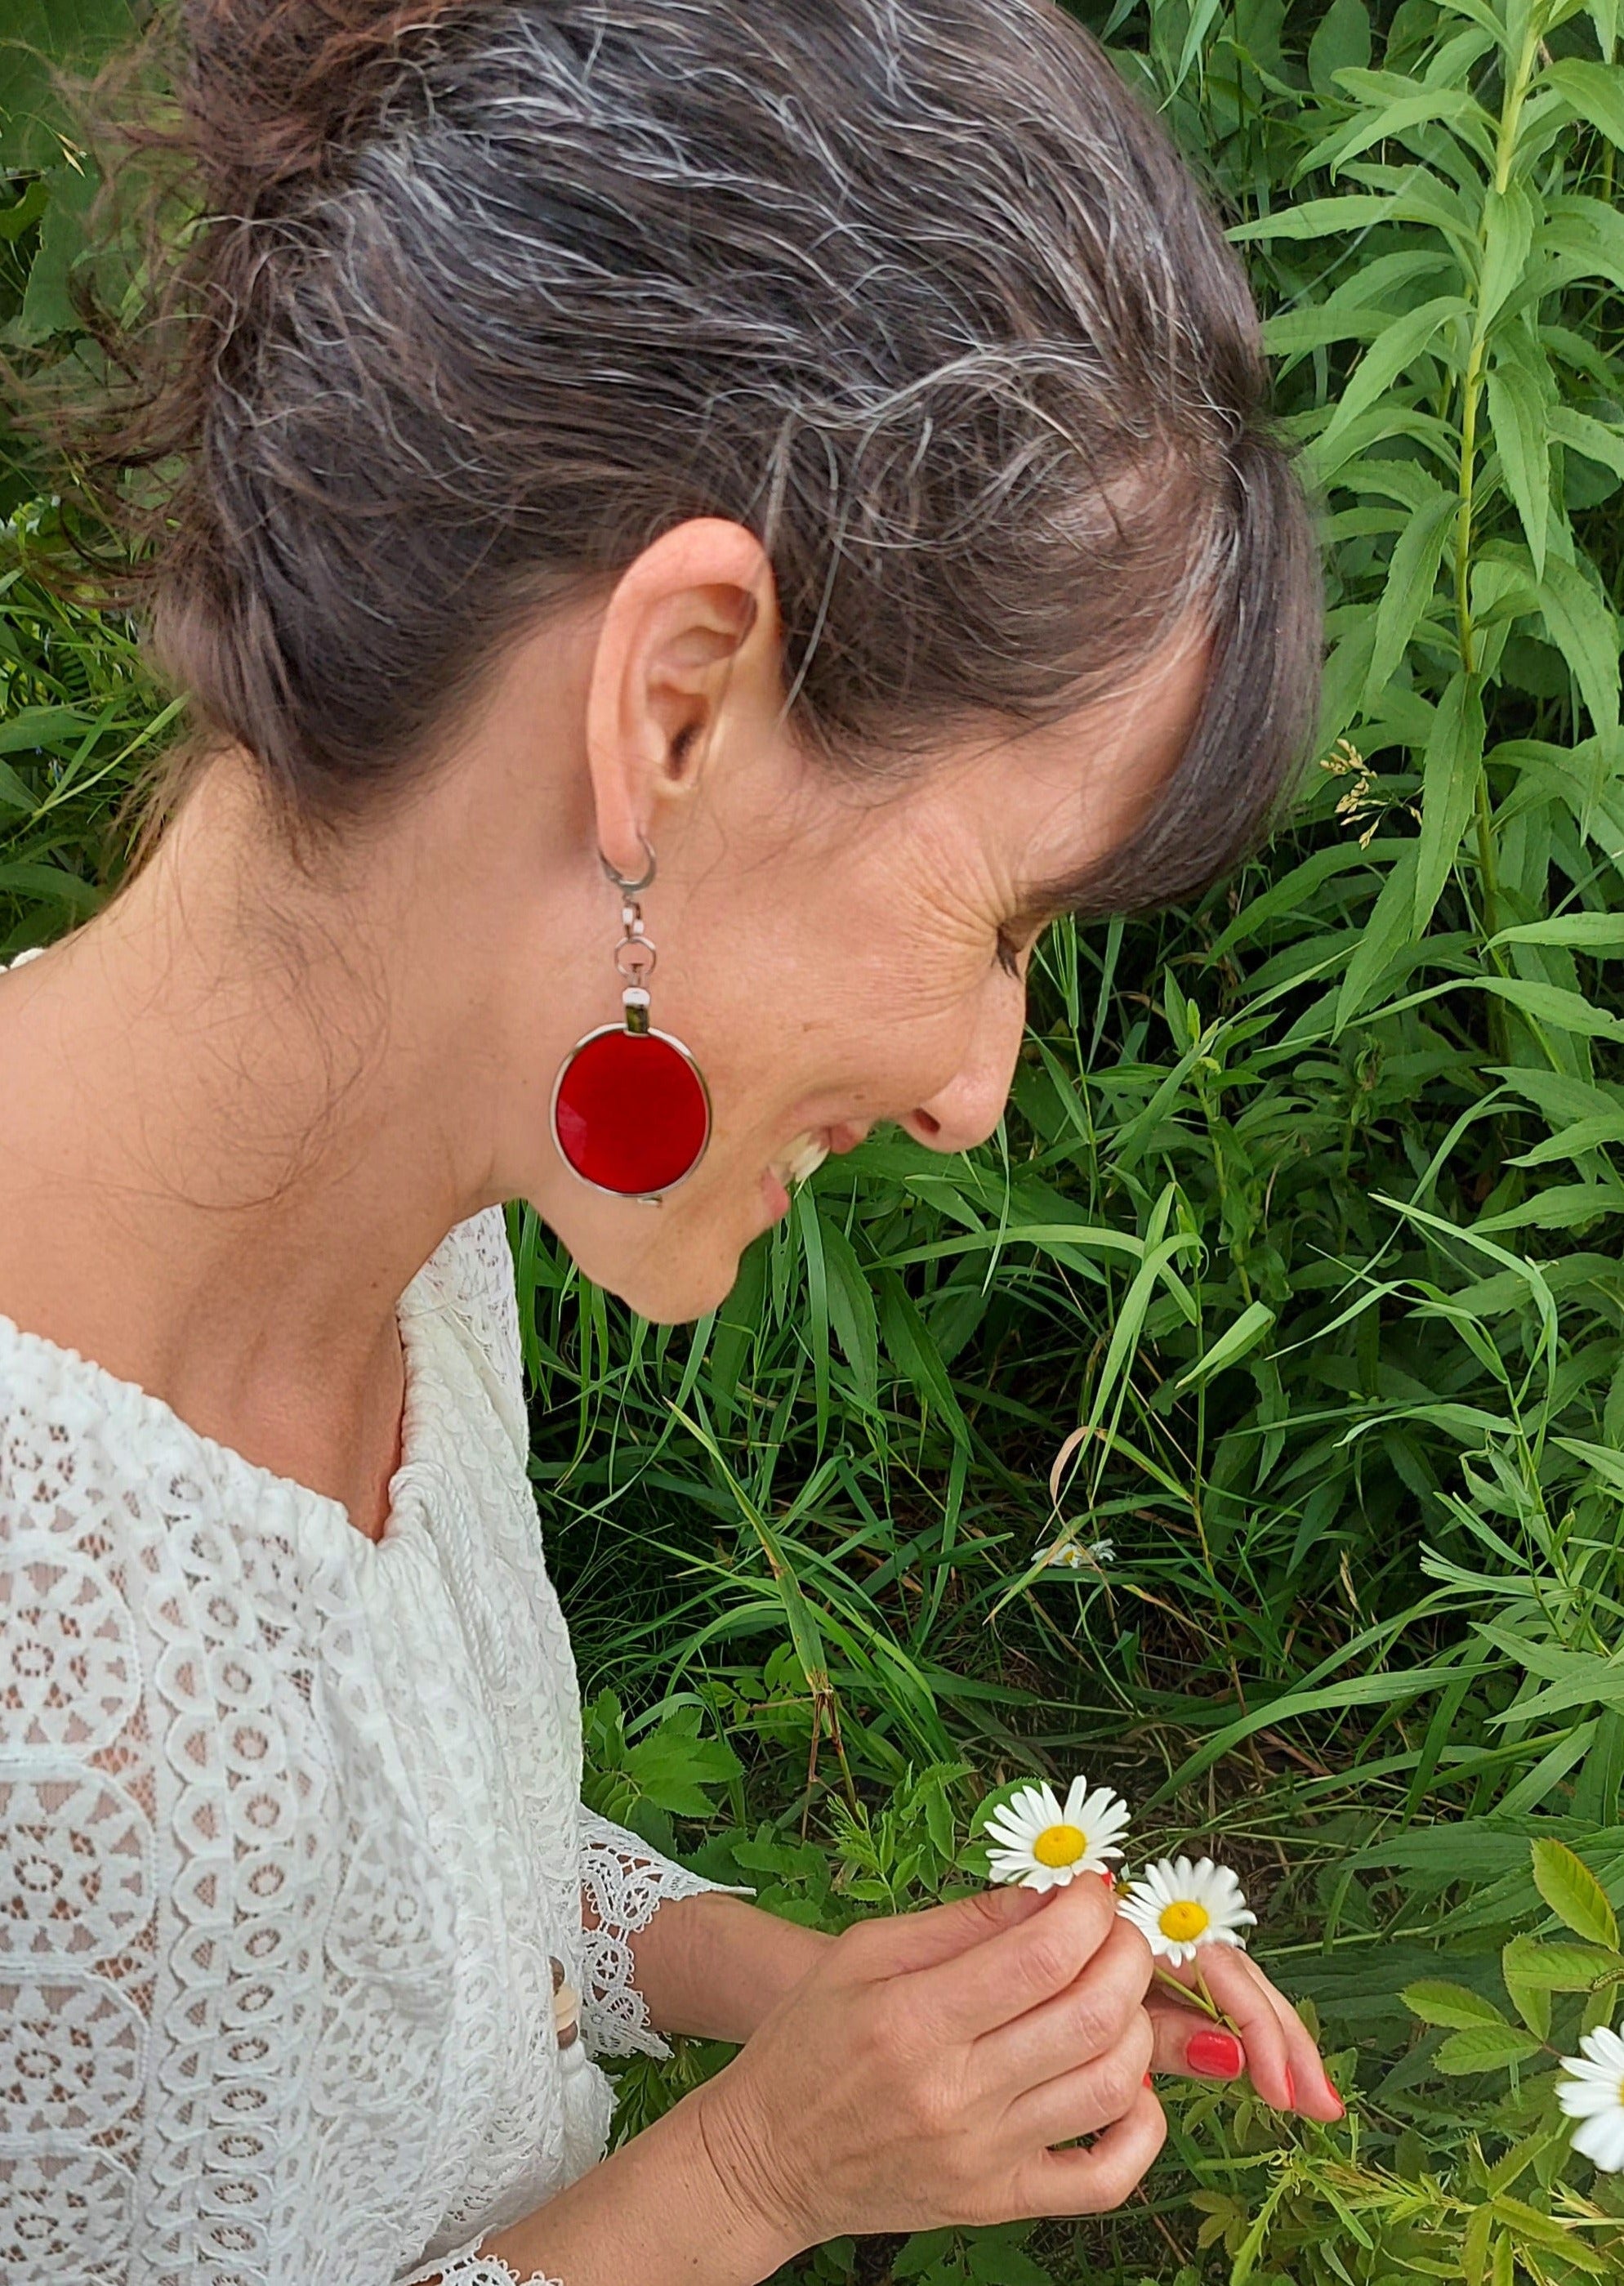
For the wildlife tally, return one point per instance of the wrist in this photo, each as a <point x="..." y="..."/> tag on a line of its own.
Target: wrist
<point x="714" y="1965"/>
<point x="730" y="2156"/>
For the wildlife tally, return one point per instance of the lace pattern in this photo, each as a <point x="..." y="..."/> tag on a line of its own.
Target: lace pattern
<point x="290" y="1833"/>
<point x="624" y="1883"/>
<point x="490" y="2270"/>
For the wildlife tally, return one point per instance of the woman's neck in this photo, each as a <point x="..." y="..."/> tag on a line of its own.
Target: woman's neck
<point x="228" y="1148"/>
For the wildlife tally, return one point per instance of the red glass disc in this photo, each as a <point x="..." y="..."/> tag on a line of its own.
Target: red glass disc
<point x="630" y="1112"/>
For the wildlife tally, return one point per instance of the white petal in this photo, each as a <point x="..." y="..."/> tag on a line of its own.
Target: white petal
<point x="1587" y="2099"/>
<point x="1605" y="2047"/>
<point x="1602" y="2140"/>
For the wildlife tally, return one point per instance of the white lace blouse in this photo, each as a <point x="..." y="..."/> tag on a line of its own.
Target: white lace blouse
<point x="289" y="1835"/>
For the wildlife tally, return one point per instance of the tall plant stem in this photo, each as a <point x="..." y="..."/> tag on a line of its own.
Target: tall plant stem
<point x="1471" y="398"/>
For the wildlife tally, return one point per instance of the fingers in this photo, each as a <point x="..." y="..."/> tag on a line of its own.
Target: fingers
<point x="1277" y="2052"/>
<point x="1092" y="2180"/>
<point x="1090" y="2095"/>
<point x="1086" y="2020"/>
<point x="1016" y="1968"/>
<point x="899" y="1945"/>
<point x="1191" y="2044"/>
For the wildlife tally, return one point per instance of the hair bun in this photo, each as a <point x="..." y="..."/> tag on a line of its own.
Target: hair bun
<point x="275" y="91"/>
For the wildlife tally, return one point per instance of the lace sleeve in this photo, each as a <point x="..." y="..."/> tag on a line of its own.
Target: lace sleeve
<point x="473" y="2268"/>
<point x="624" y="1883"/>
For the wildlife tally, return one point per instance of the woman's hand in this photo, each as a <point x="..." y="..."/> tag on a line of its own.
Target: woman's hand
<point x="922" y="2071"/>
<point x="1273" y="2047"/>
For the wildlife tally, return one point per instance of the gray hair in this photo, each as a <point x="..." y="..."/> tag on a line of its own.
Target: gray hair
<point x="483" y="298"/>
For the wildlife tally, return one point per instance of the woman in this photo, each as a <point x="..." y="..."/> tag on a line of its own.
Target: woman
<point x="800" y="460"/>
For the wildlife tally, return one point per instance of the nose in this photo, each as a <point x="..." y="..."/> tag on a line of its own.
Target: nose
<point x="969" y="1107"/>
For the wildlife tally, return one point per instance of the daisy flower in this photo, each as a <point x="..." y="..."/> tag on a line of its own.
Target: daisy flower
<point x="1595" y="2098"/>
<point x="1178" y="1907"/>
<point x="1041" y="1845"/>
<point x="1074" y="1556"/>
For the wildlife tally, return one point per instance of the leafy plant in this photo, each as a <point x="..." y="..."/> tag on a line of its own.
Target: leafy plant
<point x="1290" y="1288"/>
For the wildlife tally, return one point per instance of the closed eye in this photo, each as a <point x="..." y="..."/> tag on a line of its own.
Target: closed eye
<point x="1009" y="955"/>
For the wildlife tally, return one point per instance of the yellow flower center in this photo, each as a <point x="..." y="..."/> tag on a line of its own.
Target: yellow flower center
<point x="1059" y="1845"/>
<point x="1183" y="1921"/>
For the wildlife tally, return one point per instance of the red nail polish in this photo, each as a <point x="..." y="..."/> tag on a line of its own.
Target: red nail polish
<point x="1216" y="2055"/>
<point x="1148" y="2079"/>
<point x="1341" y="2108"/>
<point x="1290" y="2091"/>
<point x="1108" y="1877"/>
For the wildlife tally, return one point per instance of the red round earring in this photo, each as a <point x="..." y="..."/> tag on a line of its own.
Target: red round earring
<point x="631" y="1114"/>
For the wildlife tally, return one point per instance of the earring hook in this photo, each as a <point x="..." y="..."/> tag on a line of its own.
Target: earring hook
<point x="631" y="888"/>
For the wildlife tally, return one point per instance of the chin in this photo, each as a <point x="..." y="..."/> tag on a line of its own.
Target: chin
<point x="670" y="1284"/>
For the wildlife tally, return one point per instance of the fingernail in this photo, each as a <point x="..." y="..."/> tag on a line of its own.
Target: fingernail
<point x="1341" y="2108"/>
<point x="1148" y="2080"/>
<point x="1108" y="1877"/>
<point x="1216" y="2055"/>
<point x="1290" y="2091"/>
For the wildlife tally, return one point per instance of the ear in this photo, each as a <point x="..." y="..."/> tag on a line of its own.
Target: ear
<point x="690" y="632"/>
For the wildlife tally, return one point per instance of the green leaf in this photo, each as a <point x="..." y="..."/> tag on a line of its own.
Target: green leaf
<point x="1573" y="1894"/>
<point x="1548" y="2231"/>
<point x="1486" y="2047"/>
<point x="1437" y="2003"/>
<point x="1385" y="935"/>
<point x="1392" y="353"/>
<point x="1341" y="42"/>
<point x="1232" y="1344"/>
<point x="1593" y="438"/>
<point x="1574" y="1141"/>
<point x="1531" y="2002"/>
<point x="1583" y="931"/>
<point x="673" y="1767"/>
<point x="851" y="1311"/>
<point x="1585" y="237"/>
<point x="1517" y="410"/>
<point x="38" y="32"/>
<point x="1565" y="1206"/>
<point x="1594" y="90"/>
<point x="1388" y="120"/>
<point x="1412" y="576"/>
<point x="1315" y="218"/>
<point x="1507" y="238"/>
<point x="1450" y="773"/>
<point x="1552" y="1004"/>
<point x="1586" y="632"/>
<point x="26" y="211"/>
<point x="38" y="729"/>
<point x="1552" y="1966"/>
<point x="915" y="1357"/>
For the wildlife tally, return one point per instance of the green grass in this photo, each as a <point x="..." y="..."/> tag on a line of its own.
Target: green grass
<point x="1306" y="1214"/>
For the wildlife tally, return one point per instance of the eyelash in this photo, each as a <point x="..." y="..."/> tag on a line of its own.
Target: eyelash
<point x="1009" y="956"/>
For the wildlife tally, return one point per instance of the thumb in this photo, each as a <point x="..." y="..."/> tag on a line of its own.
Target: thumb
<point x="906" y="1942"/>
